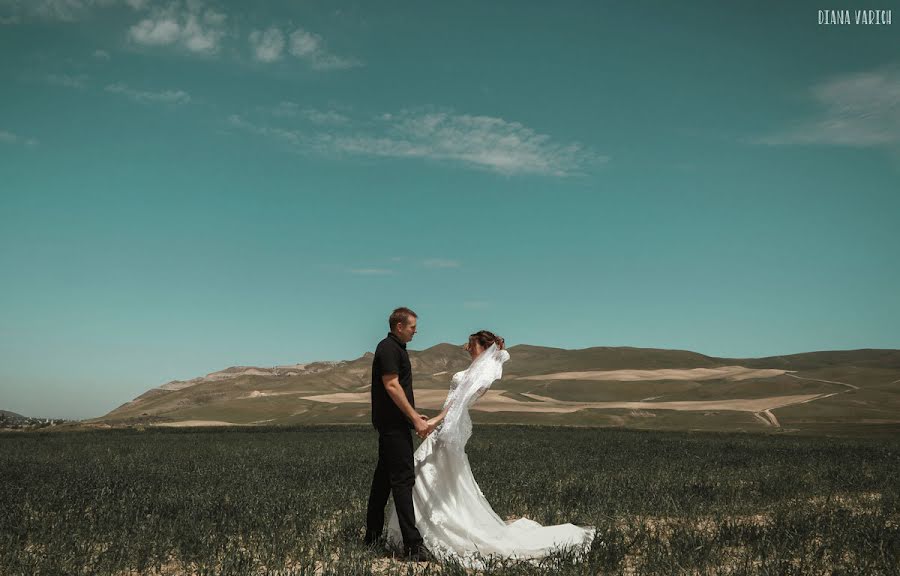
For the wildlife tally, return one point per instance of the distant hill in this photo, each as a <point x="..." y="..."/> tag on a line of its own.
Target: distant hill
<point x="606" y="386"/>
<point x="14" y="421"/>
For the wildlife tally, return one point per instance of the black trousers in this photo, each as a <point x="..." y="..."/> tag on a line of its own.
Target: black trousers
<point x="395" y="474"/>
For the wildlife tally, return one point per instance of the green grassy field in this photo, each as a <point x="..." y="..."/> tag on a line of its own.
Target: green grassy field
<point x="275" y="500"/>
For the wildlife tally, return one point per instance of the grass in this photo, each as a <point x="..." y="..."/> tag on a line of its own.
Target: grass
<point x="291" y="500"/>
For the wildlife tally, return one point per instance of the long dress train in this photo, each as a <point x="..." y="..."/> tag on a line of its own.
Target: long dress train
<point x="452" y="514"/>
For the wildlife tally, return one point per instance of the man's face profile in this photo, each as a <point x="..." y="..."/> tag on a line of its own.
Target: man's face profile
<point x="408" y="330"/>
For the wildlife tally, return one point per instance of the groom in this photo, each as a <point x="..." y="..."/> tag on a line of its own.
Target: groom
<point x="393" y="414"/>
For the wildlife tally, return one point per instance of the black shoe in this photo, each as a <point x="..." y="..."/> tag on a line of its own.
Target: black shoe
<point x="420" y="554"/>
<point x="374" y="541"/>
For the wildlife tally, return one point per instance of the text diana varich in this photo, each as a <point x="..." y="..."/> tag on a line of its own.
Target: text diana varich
<point x="828" y="17"/>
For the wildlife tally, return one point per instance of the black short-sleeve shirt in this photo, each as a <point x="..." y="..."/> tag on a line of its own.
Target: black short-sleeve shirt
<point x="391" y="357"/>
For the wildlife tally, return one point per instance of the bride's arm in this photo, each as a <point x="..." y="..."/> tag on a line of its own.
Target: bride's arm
<point x="451" y="394"/>
<point x="433" y="422"/>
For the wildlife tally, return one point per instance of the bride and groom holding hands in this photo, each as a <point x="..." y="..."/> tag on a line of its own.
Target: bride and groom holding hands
<point x="438" y="510"/>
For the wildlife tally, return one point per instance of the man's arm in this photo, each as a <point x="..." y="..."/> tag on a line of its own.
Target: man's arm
<point x="395" y="391"/>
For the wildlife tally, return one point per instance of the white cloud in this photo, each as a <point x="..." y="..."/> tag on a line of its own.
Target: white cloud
<point x="323" y="61"/>
<point x="286" y="108"/>
<point x="7" y="137"/>
<point x="859" y="110"/>
<point x="158" y="31"/>
<point x="267" y="46"/>
<point x="164" y="97"/>
<point x="202" y="33"/>
<point x="320" y="117"/>
<point x="441" y="263"/>
<point x="304" y="44"/>
<point x="101" y="55"/>
<point x="475" y="141"/>
<point x="478" y="141"/>
<point x="67" y="81"/>
<point x="57" y="10"/>
<point x="188" y="24"/>
<point x="310" y="47"/>
<point x="65" y="10"/>
<point x="290" y="136"/>
<point x="326" y="117"/>
<point x="371" y="271"/>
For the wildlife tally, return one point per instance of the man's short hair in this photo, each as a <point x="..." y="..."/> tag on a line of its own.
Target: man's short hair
<point x="401" y="315"/>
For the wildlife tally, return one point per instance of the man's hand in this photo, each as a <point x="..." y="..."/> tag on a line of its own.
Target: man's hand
<point x="420" y="423"/>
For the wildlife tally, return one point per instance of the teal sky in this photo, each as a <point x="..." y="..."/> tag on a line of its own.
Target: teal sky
<point x="186" y="186"/>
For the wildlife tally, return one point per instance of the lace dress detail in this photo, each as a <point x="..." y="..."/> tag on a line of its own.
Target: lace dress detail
<point x="452" y="514"/>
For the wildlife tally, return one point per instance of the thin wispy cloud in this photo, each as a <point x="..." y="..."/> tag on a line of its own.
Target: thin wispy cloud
<point x="193" y="25"/>
<point x="371" y="271"/>
<point x="190" y="25"/>
<point x="441" y="263"/>
<point x="291" y="136"/>
<point x="11" y="138"/>
<point x="320" y="117"/>
<point x="858" y="110"/>
<point x="285" y="109"/>
<point x="163" y="97"/>
<point x="158" y="31"/>
<point x="67" y="81"/>
<point x="311" y="48"/>
<point x="102" y="55"/>
<point x="65" y="10"/>
<point x="58" y="10"/>
<point x="324" y="117"/>
<point x="268" y="45"/>
<point x="482" y="142"/>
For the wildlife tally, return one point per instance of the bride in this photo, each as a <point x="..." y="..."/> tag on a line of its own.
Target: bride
<point x="452" y="514"/>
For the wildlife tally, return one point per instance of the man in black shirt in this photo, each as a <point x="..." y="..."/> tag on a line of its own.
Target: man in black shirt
<point x="393" y="414"/>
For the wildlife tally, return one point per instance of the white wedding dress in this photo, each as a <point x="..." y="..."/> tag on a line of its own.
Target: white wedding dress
<point x="452" y="514"/>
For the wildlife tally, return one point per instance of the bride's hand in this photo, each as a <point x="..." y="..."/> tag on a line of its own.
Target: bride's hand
<point x="432" y="423"/>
